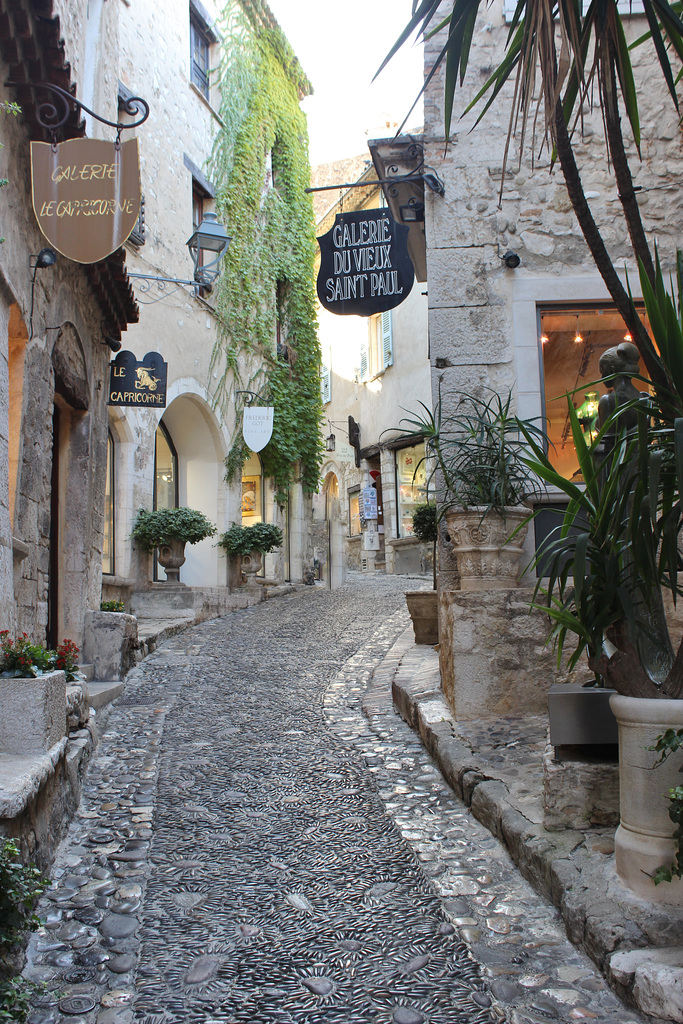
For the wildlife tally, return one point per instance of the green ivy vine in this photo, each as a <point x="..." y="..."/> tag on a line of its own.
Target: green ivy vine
<point x="268" y="270"/>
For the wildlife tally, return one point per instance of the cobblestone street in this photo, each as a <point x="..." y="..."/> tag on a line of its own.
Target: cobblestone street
<point x="262" y="839"/>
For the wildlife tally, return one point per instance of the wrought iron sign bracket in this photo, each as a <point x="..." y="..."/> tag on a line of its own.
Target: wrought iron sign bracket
<point x="50" y="117"/>
<point x="253" y="396"/>
<point x="428" y="177"/>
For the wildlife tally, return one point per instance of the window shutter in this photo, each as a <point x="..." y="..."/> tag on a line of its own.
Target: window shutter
<point x="326" y="384"/>
<point x="364" y="360"/>
<point x="387" y="341"/>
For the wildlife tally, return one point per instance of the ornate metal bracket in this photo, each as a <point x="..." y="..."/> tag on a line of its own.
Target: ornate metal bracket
<point x="253" y="396"/>
<point x="53" y="117"/>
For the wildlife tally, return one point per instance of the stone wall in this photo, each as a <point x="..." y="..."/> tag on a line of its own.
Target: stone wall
<point x="493" y="656"/>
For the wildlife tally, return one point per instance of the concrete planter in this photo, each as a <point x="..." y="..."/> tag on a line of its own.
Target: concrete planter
<point x="252" y="563"/>
<point x="423" y="606"/>
<point x="644" y="839"/>
<point x="581" y="715"/>
<point x="33" y="714"/>
<point x="487" y="559"/>
<point x="172" y="556"/>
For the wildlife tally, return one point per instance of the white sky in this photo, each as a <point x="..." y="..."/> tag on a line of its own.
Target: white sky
<point x="340" y="47"/>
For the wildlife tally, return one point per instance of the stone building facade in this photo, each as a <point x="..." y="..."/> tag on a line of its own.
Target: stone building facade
<point x="54" y="359"/>
<point x="76" y="471"/>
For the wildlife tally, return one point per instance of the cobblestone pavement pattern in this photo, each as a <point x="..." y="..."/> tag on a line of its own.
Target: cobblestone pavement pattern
<point x="252" y="847"/>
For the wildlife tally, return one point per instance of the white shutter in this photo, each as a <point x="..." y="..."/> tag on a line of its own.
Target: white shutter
<point x="326" y="384"/>
<point x="364" y="360"/>
<point x="387" y="340"/>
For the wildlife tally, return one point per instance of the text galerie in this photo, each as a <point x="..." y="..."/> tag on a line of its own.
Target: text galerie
<point x="362" y="261"/>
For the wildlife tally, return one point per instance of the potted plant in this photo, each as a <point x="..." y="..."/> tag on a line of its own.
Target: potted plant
<point x="250" y="543"/>
<point x="607" y="567"/>
<point x="482" y="481"/>
<point x="169" y="530"/>
<point x="423" y="605"/>
<point x="32" y="693"/>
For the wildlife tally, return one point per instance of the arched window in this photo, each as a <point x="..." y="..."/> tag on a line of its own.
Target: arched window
<point x="165" y="470"/>
<point x="108" y="541"/>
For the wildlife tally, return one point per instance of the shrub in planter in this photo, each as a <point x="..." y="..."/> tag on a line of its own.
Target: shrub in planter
<point x="250" y="543"/>
<point x="242" y="540"/>
<point x="169" y="530"/>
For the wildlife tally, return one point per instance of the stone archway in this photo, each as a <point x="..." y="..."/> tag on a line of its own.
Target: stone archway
<point x="196" y="436"/>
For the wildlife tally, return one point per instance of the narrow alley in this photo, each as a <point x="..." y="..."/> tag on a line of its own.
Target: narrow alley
<point x="253" y="847"/>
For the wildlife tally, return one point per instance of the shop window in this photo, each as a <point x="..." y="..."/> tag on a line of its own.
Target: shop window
<point x="572" y="341"/>
<point x="109" y="521"/>
<point x="354" y="512"/>
<point x="411" y="481"/>
<point x="165" y="470"/>
<point x="252" y="492"/>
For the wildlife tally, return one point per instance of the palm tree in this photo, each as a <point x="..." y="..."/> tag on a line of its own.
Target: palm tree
<point x="560" y="54"/>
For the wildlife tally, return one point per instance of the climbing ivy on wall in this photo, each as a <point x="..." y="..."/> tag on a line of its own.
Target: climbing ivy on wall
<point x="273" y="244"/>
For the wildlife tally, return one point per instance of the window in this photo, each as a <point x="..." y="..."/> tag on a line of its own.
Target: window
<point x="377" y="353"/>
<point x="354" y="512"/>
<point x="199" y="55"/>
<point x="625" y="8"/>
<point x="165" y="470"/>
<point x="572" y="341"/>
<point x="109" y="532"/>
<point x="411" y="478"/>
<point x="326" y="378"/>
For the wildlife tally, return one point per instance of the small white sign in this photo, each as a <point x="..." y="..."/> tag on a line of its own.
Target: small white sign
<point x="344" y="453"/>
<point x="257" y="426"/>
<point x="371" y="540"/>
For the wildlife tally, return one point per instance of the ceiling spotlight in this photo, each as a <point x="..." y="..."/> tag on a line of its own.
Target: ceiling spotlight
<point x="511" y="260"/>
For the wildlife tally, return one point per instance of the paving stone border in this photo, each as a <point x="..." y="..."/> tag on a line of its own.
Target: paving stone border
<point x="572" y="868"/>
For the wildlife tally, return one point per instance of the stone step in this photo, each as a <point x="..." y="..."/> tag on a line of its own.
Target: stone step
<point x="102" y="693"/>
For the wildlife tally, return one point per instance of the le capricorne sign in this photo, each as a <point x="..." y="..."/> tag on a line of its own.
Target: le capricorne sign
<point x="86" y="195"/>
<point x="364" y="264"/>
<point x="138" y="383"/>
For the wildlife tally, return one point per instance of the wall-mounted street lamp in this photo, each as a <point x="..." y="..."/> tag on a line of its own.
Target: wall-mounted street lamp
<point x="211" y="238"/>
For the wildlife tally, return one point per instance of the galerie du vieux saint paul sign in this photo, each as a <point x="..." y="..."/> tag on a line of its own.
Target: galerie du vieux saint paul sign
<point x="364" y="264"/>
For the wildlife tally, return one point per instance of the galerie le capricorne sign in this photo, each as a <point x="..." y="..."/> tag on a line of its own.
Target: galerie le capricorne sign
<point x="138" y="383"/>
<point x="364" y="264"/>
<point x="86" y="195"/>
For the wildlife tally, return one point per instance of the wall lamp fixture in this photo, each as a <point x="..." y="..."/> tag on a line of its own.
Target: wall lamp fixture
<point x="331" y="443"/>
<point x="210" y="238"/>
<point x="45" y="258"/>
<point x="510" y="259"/>
<point x="113" y="343"/>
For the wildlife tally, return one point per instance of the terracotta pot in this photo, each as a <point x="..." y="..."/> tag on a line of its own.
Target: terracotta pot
<point x="486" y="558"/>
<point x="171" y="556"/>
<point x="252" y="563"/>
<point x="644" y="839"/>
<point x="423" y="606"/>
<point x="33" y="715"/>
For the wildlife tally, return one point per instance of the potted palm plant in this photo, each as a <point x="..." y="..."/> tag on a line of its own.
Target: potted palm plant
<point x="169" y="530"/>
<point x="607" y="569"/>
<point x="423" y="605"/>
<point x="250" y="543"/>
<point x="482" y="481"/>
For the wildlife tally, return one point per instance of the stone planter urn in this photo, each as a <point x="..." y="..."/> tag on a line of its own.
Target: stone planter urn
<point x="644" y="839"/>
<point x="171" y="556"/>
<point x="487" y="558"/>
<point x="251" y="564"/>
<point x="33" y="715"/>
<point x="423" y="606"/>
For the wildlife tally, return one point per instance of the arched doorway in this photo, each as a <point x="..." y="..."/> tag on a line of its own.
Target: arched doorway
<point x="189" y="473"/>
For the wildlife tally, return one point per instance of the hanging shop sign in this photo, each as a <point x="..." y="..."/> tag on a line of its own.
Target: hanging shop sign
<point x="364" y="264"/>
<point x="257" y="426"/>
<point x="138" y="383"/>
<point x="86" y="195"/>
